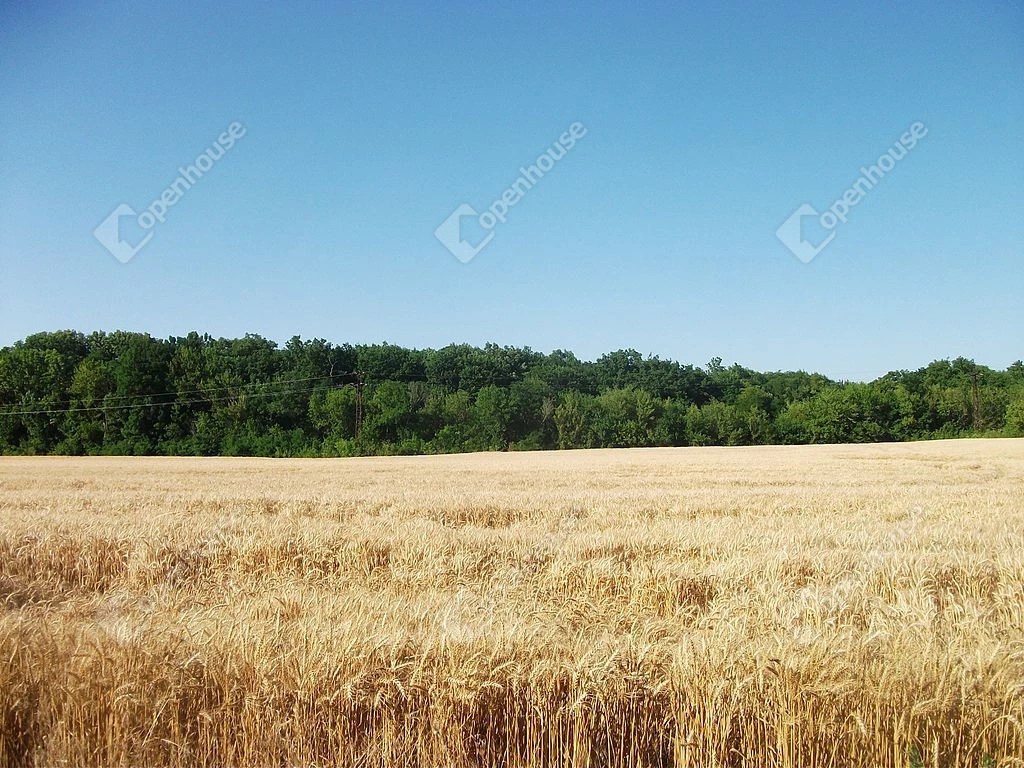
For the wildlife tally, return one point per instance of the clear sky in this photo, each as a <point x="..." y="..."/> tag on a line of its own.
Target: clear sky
<point x="367" y="124"/>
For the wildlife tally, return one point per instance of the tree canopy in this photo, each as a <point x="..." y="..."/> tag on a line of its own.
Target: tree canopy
<point x="130" y="393"/>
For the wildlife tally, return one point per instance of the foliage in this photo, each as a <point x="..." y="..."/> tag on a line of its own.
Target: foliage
<point x="131" y="393"/>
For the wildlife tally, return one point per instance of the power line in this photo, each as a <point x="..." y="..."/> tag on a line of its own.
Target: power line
<point x="133" y="406"/>
<point x="178" y="393"/>
<point x="358" y="383"/>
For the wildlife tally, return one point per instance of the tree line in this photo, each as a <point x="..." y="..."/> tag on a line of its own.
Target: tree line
<point x="130" y="393"/>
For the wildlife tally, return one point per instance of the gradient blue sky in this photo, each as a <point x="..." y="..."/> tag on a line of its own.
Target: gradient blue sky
<point x="367" y="124"/>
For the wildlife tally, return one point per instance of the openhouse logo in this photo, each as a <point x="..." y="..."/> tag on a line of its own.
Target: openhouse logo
<point x="108" y="233"/>
<point x="450" y="230"/>
<point x="790" y="233"/>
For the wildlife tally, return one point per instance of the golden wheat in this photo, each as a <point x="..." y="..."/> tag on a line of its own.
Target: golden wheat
<point x="777" y="606"/>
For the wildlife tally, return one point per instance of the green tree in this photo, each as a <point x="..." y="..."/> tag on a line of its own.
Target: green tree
<point x="388" y="413"/>
<point x="573" y="420"/>
<point x="493" y="417"/>
<point x="1015" y="418"/>
<point x="625" y="417"/>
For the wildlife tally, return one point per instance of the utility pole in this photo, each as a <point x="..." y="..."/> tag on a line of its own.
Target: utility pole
<point x="975" y="402"/>
<point x="359" y="404"/>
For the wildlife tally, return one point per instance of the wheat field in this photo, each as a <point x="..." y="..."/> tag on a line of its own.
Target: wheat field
<point x="764" y="606"/>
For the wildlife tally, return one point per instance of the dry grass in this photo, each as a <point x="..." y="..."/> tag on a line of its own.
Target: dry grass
<point x="777" y="606"/>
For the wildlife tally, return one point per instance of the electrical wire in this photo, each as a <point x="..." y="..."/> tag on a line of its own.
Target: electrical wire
<point x="133" y="406"/>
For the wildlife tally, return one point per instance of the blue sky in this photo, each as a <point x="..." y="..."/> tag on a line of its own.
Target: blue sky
<point x="366" y="125"/>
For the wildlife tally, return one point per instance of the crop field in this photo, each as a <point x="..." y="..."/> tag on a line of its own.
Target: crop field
<point x="765" y="606"/>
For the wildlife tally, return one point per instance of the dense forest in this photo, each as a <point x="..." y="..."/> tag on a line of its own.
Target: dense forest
<point x="130" y="393"/>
